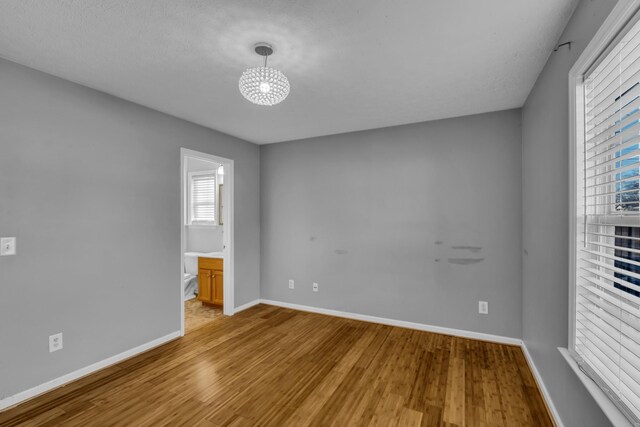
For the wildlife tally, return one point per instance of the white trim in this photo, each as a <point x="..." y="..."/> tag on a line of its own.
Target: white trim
<point x="75" y="375"/>
<point x="436" y="329"/>
<point x="228" y="227"/>
<point x="65" y="379"/>
<point x="575" y="122"/>
<point x="399" y="323"/>
<point x="612" y="412"/>
<point x="612" y="27"/>
<point x="246" y="306"/>
<point x="542" y="387"/>
<point x="203" y="226"/>
<point x="615" y="22"/>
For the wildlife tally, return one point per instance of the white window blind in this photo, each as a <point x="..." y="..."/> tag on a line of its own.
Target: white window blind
<point x="202" y="198"/>
<point x="607" y="275"/>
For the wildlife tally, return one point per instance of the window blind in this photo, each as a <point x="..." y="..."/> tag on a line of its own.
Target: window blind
<point x="202" y="198"/>
<point x="607" y="293"/>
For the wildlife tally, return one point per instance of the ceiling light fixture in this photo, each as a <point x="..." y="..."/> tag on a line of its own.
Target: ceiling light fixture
<point x="264" y="85"/>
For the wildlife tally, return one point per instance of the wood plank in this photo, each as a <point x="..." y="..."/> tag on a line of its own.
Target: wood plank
<point x="279" y="367"/>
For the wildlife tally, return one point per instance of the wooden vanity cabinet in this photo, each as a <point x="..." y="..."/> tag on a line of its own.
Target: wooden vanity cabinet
<point x="211" y="280"/>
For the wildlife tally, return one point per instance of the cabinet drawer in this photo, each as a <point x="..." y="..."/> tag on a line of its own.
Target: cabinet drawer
<point x="210" y="263"/>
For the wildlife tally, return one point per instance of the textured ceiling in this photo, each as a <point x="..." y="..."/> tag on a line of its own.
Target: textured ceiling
<point x="352" y="65"/>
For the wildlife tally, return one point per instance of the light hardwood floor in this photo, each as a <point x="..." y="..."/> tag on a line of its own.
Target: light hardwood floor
<point x="275" y="366"/>
<point x="197" y="315"/>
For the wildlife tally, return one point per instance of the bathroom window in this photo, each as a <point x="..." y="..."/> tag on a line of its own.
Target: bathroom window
<point x="202" y="198"/>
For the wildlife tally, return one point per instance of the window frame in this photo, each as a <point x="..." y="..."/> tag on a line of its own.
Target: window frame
<point x="197" y="223"/>
<point x="624" y="14"/>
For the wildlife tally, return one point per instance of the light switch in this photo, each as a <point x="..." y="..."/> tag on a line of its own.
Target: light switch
<point x="7" y="246"/>
<point x="483" y="307"/>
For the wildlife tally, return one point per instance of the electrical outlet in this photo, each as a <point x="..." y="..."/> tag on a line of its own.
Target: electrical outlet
<point x="291" y="284"/>
<point x="7" y="246"/>
<point x="55" y="342"/>
<point x="315" y="287"/>
<point x="483" y="307"/>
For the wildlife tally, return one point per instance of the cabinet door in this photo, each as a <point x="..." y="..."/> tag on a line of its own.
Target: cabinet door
<point x="218" y="287"/>
<point x="205" y="285"/>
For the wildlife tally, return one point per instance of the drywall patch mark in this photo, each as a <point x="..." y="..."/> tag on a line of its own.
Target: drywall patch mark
<point x="474" y="249"/>
<point x="341" y="252"/>
<point x="312" y="238"/>
<point x="438" y="242"/>
<point x="464" y="261"/>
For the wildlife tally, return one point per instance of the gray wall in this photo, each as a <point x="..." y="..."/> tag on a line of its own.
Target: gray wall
<point x="545" y="222"/>
<point x="203" y="238"/>
<point x="385" y="220"/>
<point x="90" y="186"/>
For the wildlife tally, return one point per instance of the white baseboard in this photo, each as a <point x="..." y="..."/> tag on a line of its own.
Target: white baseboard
<point x="400" y="323"/>
<point x="65" y="379"/>
<point x="436" y="329"/>
<point x="245" y="306"/>
<point x="542" y="387"/>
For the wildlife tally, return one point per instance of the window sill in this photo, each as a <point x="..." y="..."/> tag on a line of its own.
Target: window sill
<point x="610" y="410"/>
<point x="203" y="225"/>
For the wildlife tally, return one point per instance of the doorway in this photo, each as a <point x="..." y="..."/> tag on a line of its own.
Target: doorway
<point x="206" y="236"/>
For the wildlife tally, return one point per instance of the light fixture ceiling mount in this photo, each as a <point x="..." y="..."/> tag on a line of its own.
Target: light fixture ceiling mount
<point x="264" y="85"/>
<point x="263" y="49"/>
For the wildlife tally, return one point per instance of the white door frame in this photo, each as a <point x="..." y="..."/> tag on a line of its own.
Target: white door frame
<point x="227" y="235"/>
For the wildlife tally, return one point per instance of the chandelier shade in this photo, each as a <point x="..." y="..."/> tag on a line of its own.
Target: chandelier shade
<point x="264" y="85"/>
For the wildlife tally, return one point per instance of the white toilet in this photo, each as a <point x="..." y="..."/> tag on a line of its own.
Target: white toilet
<point x="191" y="274"/>
<point x="191" y="263"/>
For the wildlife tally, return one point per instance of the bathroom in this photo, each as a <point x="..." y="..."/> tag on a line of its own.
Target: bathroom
<point x="204" y="247"/>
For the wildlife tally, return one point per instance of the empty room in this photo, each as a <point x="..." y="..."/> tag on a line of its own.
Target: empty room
<point x="320" y="213"/>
